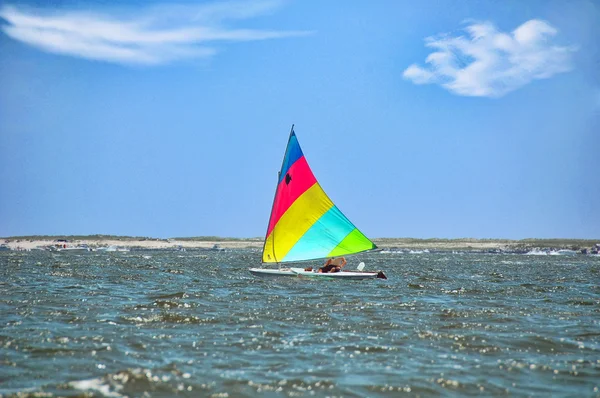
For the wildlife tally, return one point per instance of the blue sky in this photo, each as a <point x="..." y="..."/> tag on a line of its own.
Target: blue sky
<point x="420" y="119"/>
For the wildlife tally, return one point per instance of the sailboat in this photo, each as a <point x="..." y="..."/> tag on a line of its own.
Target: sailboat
<point x="306" y="225"/>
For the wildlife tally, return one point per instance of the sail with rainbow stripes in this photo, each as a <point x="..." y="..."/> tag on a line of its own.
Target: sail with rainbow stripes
<point x="305" y="224"/>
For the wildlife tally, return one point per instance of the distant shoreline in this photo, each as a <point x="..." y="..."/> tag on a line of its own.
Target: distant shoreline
<point x="207" y="242"/>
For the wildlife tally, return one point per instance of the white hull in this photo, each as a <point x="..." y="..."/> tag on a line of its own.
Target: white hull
<point x="265" y="272"/>
<point x="271" y="272"/>
<point x="338" y="275"/>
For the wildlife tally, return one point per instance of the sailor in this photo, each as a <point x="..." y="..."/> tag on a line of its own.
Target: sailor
<point x="334" y="264"/>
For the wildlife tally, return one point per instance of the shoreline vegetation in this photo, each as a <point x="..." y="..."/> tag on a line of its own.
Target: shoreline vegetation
<point x="586" y="246"/>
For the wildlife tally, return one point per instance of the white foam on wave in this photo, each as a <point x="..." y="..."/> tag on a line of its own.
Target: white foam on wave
<point x="391" y="251"/>
<point x="98" y="385"/>
<point x="536" y="253"/>
<point x="564" y="252"/>
<point x="561" y="252"/>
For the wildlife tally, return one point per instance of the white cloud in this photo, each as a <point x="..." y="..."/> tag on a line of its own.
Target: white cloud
<point x="156" y="35"/>
<point x="490" y="63"/>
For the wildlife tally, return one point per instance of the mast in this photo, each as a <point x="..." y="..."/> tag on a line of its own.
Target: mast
<point x="274" y="195"/>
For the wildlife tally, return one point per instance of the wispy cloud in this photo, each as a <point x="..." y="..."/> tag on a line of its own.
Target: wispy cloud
<point x="156" y="35"/>
<point x="490" y="63"/>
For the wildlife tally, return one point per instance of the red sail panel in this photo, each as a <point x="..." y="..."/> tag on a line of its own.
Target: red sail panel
<point x="298" y="179"/>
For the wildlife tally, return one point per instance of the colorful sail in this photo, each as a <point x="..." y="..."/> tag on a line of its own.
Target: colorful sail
<point x="304" y="223"/>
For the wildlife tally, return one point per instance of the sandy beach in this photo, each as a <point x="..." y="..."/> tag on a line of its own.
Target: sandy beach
<point x="478" y="245"/>
<point x="30" y="244"/>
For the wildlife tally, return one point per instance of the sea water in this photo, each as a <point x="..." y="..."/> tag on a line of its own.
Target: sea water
<point x="197" y="323"/>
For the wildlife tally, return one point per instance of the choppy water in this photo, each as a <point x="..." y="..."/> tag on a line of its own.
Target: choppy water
<point x="161" y="323"/>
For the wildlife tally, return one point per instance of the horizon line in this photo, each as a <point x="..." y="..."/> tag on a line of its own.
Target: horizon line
<point x="214" y="237"/>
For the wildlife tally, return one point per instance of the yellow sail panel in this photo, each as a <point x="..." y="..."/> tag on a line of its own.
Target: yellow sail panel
<point x="268" y="255"/>
<point x="294" y="223"/>
<point x="354" y="242"/>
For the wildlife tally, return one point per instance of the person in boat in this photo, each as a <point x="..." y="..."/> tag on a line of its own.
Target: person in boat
<point x="334" y="264"/>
